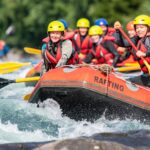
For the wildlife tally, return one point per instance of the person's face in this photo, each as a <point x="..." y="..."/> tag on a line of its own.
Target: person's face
<point x="95" y="38"/>
<point x="104" y="28"/>
<point x="55" y="36"/>
<point x="83" y="31"/>
<point x="131" y="33"/>
<point x="141" y="30"/>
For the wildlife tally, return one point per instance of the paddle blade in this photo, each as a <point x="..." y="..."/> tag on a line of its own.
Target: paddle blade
<point x="27" y="97"/>
<point x="126" y="69"/>
<point x="8" y="70"/>
<point x="32" y="50"/>
<point x="132" y="64"/>
<point x="5" y="82"/>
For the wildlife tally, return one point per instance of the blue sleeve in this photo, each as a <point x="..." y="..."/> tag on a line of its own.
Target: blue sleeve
<point x="6" y="49"/>
<point x="44" y="47"/>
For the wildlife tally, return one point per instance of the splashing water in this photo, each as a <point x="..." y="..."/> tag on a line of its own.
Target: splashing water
<point x="24" y="122"/>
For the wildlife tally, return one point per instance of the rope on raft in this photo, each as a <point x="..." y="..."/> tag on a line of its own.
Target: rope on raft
<point x="104" y="68"/>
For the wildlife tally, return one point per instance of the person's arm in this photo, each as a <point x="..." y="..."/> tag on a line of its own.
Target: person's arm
<point x="66" y="53"/>
<point x="118" y="38"/>
<point x="147" y="45"/>
<point x="109" y="45"/>
<point x="44" y="46"/>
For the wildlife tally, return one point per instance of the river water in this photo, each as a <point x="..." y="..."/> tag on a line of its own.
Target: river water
<point x="24" y="122"/>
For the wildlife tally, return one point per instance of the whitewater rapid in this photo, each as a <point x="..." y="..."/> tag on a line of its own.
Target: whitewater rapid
<point x="24" y="122"/>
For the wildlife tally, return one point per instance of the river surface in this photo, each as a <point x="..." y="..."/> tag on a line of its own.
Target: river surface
<point x="24" y="122"/>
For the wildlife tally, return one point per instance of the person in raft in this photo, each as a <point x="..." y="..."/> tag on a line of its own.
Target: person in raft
<point x="58" y="50"/>
<point x="142" y="28"/>
<point x="99" y="53"/>
<point x="81" y="40"/>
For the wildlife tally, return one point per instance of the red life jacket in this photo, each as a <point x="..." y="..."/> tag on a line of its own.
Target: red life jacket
<point x="109" y="36"/>
<point x="102" y="55"/>
<point x="83" y="47"/>
<point x="53" y="59"/>
<point x="111" y="30"/>
<point x="142" y="47"/>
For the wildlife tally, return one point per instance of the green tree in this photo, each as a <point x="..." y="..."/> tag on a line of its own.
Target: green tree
<point x="31" y="18"/>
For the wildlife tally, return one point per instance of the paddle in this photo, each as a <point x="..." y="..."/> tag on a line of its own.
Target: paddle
<point x="134" y="47"/>
<point x="27" y="97"/>
<point x="8" y="70"/>
<point x="32" y="50"/>
<point x="5" y="82"/>
<point x="13" y="66"/>
<point x="131" y="64"/>
<point x="5" y="64"/>
<point x="126" y="69"/>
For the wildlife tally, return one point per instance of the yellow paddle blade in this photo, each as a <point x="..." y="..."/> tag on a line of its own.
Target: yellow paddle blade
<point x="9" y="63"/>
<point x="8" y="71"/>
<point x="131" y="64"/>
<point x="32" y="50"/>
<point x="11" y="66"/>
<point x="27" y="97"/>
<point x="125" y="69"/>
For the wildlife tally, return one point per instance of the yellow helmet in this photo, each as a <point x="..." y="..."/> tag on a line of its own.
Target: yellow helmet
<point x="95" y="30"/>
<point x="142" y="19"/>
<point x="83" y="23"/>
<point x="55" y="26"/>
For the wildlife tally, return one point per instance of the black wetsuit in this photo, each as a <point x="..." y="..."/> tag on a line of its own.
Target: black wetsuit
<point x="108" y="45"/>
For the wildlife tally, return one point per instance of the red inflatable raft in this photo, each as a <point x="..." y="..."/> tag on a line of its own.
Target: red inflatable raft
<point x="87" y="93"/>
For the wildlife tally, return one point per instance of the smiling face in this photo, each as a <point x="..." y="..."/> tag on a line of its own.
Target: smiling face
<point x="55" y="36"/>
<point x="95" y="38"/>
<point x="83" y="31"/>
<point x="131" y="33"/>
<point x="104" y="28"/>
<point x="141" y="30"/>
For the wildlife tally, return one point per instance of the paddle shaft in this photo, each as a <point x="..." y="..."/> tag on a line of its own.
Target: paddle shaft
<point x="5" y="82"/>
<point x="134" y="47"/>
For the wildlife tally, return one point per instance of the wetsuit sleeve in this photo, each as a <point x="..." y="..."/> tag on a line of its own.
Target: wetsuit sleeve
<point x="118" y="38"/>
<point x="66" y="53"/>
<point x="111" y="48"/>
<point x="147" y="45"/>
<point x="134" y="40"/>
<point x="43" y="47"/>
<point x="121" y="41"/>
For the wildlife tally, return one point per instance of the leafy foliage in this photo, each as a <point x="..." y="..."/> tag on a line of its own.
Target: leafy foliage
<point x="31" y="18"/>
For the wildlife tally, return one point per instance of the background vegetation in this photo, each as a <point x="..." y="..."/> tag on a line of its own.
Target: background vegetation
<point x="30" y="18"/>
